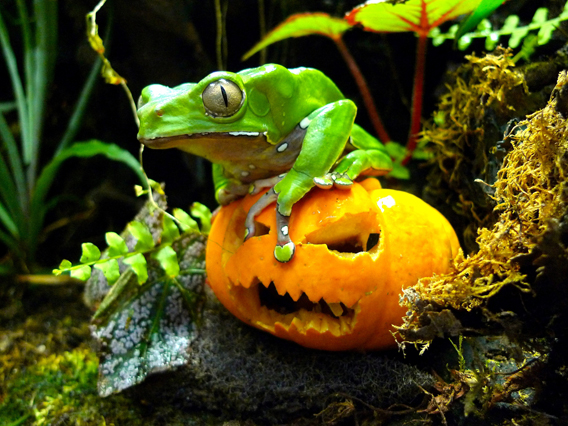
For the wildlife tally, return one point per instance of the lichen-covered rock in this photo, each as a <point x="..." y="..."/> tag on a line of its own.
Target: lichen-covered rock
<point x="247" y="374"/>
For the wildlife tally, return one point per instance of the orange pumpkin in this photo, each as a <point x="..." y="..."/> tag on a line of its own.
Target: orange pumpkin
<point x="355" y="250"/>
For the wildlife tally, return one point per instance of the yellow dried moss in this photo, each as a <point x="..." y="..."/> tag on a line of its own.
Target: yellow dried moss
<point x="483" y="94"/>
<point x="529" y="192"/>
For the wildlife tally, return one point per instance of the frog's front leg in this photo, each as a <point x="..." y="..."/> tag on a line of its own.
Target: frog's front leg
<point x="328" y="130"/>
<point x="367" y="156"/>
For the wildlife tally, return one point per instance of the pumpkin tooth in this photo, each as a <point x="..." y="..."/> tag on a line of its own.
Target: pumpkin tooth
<point x="335" y="308"/>
<point x="300" y="324"/>
<point x="345" y="325"/>
<point x="303" y="315"/>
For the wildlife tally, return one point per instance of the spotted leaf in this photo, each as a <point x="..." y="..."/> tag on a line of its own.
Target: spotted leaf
<point x="148" y="328"/>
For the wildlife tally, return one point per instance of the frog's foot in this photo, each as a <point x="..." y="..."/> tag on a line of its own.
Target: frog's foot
<point x="259" y="206"/>
<point x="339" y="180"/>
<point x="229" y="193"/>
<point x="260" y="184"/>
<point x="285" y="248"/>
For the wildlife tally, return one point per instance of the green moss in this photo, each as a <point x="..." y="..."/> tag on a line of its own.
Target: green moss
<point x="48" y="373"/>
<point x="61" y="387"/>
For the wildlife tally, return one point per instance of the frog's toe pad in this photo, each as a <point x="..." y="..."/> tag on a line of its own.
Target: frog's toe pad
<point x="284" y="253"/>
<point x="342" y="182"/>
<point x="324" y="182"/>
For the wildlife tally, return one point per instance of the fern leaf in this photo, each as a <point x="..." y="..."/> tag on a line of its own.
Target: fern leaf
<point x="539" y="22"/>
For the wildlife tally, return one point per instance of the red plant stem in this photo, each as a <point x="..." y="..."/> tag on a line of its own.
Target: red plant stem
<point x="364" y="90"/>
<point x="417" y="95"/>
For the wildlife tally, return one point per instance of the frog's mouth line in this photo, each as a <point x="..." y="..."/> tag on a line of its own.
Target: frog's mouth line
<point x="175" y="141"/>
<point x="272" y="309"/>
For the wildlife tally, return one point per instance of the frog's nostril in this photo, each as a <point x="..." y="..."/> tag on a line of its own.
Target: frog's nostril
<point x="159" y="112"/>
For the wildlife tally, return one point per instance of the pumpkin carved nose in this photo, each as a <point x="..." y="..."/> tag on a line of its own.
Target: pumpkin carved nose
<point x="355" y="251"/>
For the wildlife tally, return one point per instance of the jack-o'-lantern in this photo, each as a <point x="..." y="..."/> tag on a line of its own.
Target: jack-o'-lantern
<point x="355" y="250"/>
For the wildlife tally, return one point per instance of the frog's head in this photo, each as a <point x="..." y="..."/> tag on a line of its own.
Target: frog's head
<point x="216" y="104"/>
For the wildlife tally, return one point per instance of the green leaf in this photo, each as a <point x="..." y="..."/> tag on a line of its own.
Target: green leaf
<point x="545" y="33"/>
<point x="395" y="150"/>
<point x="141" y="232"/>
<point x="540" y="15"/>
<point x="302" y="24"/>
<point x="65" y="265"/>
<point x="203" y="214"/>
<point x="81" y="273"/>
<point x="485" y="8"/>
<point x="419" y="16"/>
<point x="170" y="230"/>
<point x="116" y="244"/>
<point x="511" y="22"/>
<point x="464" y="42"/>
<point x="149" y="328"/>
<point x="90" y="253"/>
<point x="138" y="265"/>
<point x="399" y="172"/>
<point x="398" y="153"/>
<point x="110" y="270"/>
<point x="517" y="35"/>
<point x="168" y="260"/>
<point x="186" y="222"/>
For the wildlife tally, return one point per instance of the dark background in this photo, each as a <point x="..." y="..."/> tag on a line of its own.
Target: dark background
<point x="173" y="41"/>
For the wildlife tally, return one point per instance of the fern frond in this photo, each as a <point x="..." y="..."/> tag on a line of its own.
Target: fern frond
<point x="145" y="246"/>
<point x="510" y="28"/>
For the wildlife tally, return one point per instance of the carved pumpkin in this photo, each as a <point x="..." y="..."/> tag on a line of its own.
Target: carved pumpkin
<point x="355" y="250"/>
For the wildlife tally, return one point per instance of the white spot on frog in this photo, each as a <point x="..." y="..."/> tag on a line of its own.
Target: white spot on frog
<point x="305" y="123"/>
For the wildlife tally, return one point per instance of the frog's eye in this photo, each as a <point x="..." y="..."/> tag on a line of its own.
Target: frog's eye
<point x="222" y="98"/>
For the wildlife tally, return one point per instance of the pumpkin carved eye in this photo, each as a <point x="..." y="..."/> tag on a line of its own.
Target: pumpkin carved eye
<point x="222" y="98"/>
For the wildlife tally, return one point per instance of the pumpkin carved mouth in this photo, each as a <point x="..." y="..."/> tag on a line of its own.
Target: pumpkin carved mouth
<point x="273" y="310"/>
<point x="270" y="298"/>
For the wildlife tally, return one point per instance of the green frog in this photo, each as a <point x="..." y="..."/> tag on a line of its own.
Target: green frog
<point x="267" y="127"/>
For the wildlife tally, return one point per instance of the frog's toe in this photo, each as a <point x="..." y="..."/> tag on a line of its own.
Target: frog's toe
<point x="255" y="210"/>
<point x="284" y="253"/>
<point x="342" y="181"/>
<point x="324" y="182"/>
<point x="259" y="184"/>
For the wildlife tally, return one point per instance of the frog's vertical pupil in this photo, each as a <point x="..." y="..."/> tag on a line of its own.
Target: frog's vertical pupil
<point x="222" y="98"/>
<point x="224" y="93"/>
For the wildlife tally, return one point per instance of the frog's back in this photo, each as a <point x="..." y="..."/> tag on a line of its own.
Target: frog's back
<point x="309" y="86"/>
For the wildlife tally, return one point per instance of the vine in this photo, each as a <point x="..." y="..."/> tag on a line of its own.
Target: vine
<point x="510" y="28"/>
<point x="145" y="246"/>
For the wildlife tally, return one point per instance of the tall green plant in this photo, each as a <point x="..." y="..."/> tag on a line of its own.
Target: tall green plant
<point x="24" y="182"/>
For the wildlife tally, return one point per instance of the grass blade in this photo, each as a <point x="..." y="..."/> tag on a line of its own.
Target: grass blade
<point x="79" y="110"/>
<point x="15" y="160"/>
<point x="8" y="222"/>
<point x="29" y="71"/>
<point x="15" y="79"/>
